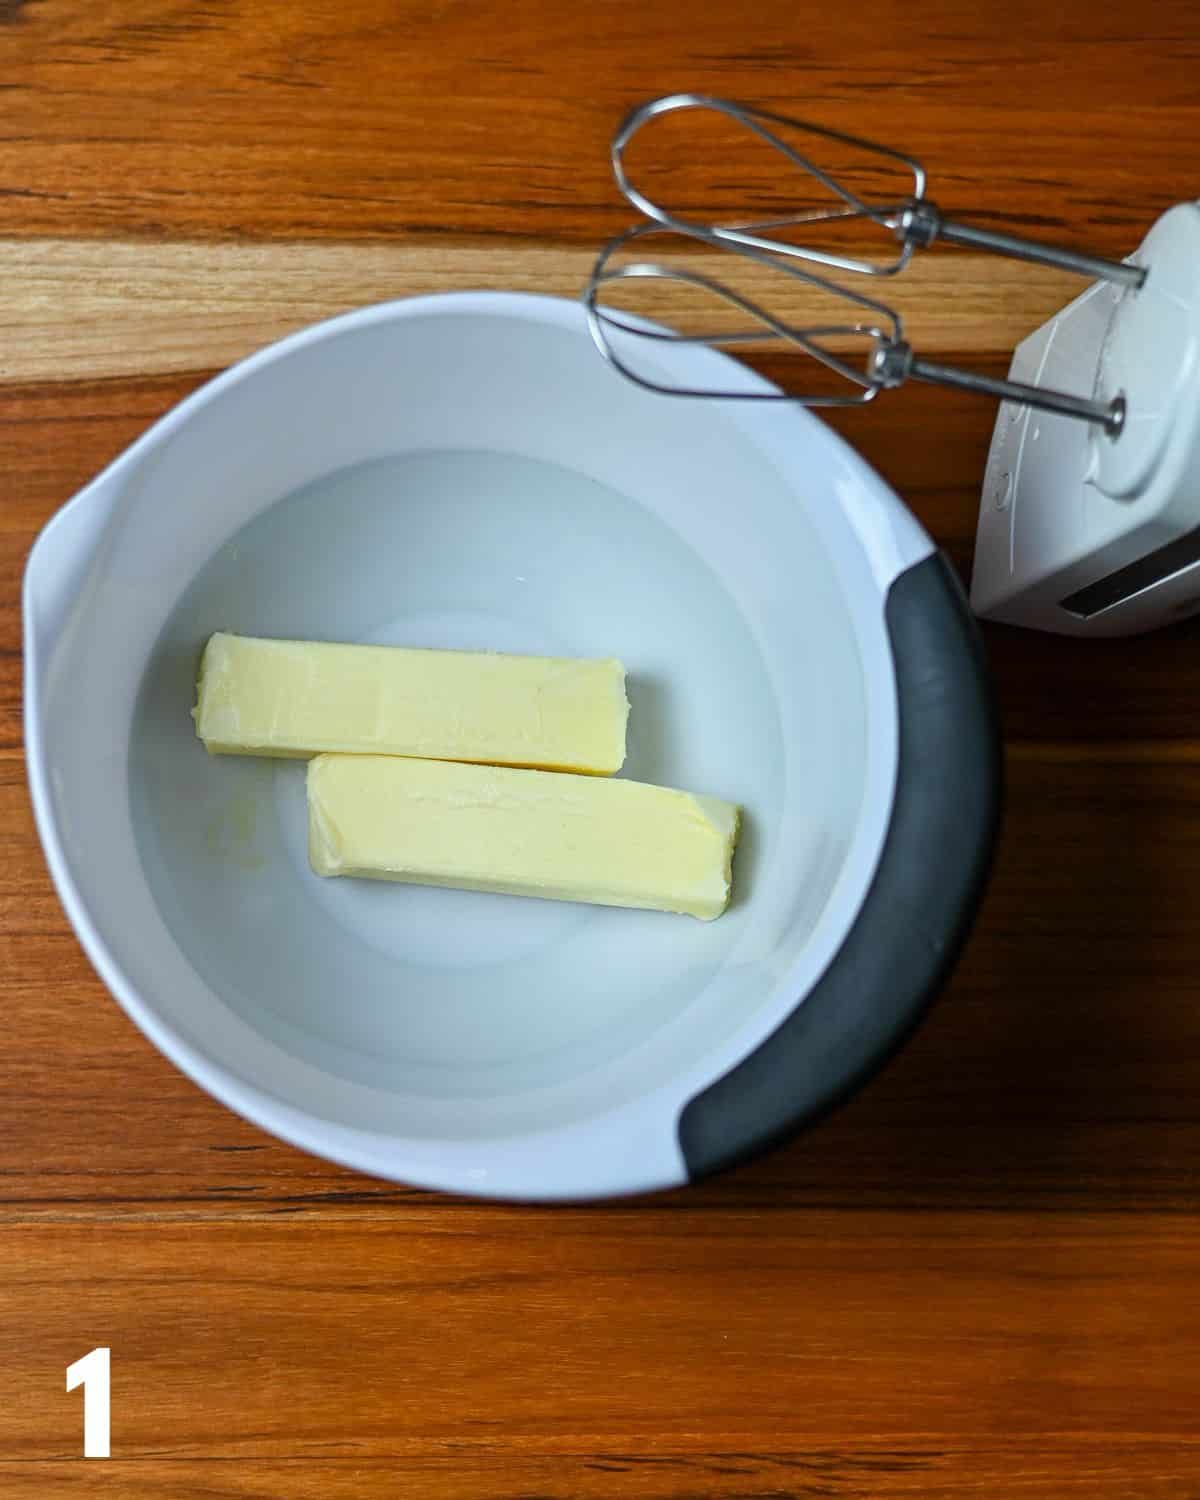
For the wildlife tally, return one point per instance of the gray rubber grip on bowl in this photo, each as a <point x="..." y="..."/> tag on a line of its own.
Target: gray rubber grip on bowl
<point x="919" y="907"/>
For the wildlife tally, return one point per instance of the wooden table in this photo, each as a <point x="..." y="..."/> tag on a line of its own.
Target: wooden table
<point x="981" y="1277"/>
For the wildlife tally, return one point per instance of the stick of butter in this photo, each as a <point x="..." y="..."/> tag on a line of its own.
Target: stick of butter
<point x="298" y="698"/>
<point x="527" y="833"/>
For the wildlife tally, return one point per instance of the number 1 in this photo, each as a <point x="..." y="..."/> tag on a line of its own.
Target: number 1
<point x="92" y="1373"/>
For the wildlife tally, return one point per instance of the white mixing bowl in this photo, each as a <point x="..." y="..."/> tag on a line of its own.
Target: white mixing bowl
<point x="465" y="471"/>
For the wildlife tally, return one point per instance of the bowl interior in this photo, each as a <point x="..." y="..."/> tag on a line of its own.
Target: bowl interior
<point x="484" y="482"/>
<point x="455" y="993"/>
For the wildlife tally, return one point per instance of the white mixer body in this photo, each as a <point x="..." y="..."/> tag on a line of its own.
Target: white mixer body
<point x="1081" y="533"/>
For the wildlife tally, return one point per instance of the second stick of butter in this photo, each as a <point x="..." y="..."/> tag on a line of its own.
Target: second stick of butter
<point x="528" y="833"/>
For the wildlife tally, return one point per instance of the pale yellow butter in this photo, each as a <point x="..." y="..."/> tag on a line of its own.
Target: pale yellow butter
<point x="299" y="698"/>
<point x="527" y="833"/>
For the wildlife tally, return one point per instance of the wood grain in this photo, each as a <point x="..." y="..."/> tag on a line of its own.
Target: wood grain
<point x="978" y="1277"/>
<point x="79" y="310"/>
<point x="224" y="118"/>
<point x="660" y="1361"/>
<point x="1153" y="1469"/>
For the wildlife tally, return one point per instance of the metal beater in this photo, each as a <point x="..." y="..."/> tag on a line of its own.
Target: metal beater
<point x="914" y="220"/>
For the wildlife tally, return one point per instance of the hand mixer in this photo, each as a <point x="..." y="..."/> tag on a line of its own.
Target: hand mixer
<point x="1090" y="520"/>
